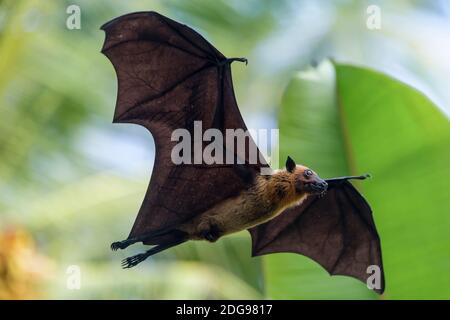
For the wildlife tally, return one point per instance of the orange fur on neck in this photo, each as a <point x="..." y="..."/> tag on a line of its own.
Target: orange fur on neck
<point x="279" y="189"/>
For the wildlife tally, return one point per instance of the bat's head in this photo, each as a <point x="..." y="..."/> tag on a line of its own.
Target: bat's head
<point x="306" y="180"/>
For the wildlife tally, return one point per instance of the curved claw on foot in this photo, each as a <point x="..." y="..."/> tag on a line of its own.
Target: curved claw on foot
<point x="133" y="261"/>
<point x="120" y="245"/>
<point x="115" y="246"/>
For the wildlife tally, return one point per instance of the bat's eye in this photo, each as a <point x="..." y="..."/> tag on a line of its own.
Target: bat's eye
<point x="308" y="173"/>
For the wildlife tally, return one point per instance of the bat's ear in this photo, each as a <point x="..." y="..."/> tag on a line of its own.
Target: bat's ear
<point x="290" y="164"/>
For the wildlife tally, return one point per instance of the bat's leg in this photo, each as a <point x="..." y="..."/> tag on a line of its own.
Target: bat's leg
<point x="135" y="260"/>
<point x="128" y="242"/>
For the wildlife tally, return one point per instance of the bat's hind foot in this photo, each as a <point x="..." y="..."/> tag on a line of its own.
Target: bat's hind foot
<point x="122" y="244"/>
<point x="130" y="262"/>
<point x="128" y="242"/>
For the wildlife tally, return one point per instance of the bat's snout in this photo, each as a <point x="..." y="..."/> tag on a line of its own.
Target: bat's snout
<point x="320" y="185"/>
<point x="317" y="186"/>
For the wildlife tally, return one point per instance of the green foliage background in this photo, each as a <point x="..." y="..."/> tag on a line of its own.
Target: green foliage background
<point x="332" y="118"/>
<point x="71" y="182"/>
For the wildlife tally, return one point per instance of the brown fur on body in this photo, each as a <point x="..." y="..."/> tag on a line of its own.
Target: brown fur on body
<point x="266" y="198"/>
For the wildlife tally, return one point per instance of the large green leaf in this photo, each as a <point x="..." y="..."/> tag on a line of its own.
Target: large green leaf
<point x="341" y="119"/>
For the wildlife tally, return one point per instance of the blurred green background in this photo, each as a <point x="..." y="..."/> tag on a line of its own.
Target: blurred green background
<point x="71" y="182"/>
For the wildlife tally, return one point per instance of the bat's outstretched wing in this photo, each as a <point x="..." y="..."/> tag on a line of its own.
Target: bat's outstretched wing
<point x="336" y="230"/>
<point x="168" y="77"/>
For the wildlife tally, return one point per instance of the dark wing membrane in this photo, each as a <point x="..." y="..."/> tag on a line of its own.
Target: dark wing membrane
<point x="337" y="231"/>
<point x="168" y="77"/>
<point x="152" y="56"/>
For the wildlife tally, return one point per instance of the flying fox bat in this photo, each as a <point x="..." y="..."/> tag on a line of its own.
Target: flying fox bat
<point x="169" y="76"/>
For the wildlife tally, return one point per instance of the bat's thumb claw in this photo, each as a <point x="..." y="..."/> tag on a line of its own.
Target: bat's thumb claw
<point x="230" y="60"/>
